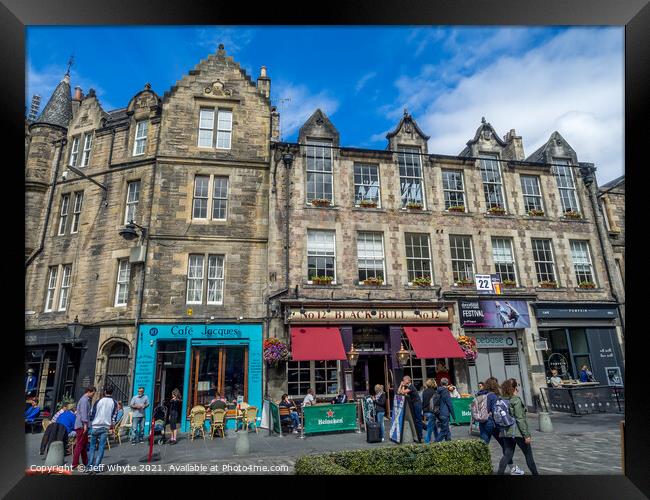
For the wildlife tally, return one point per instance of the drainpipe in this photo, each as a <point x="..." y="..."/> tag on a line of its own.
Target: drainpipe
<point x="31" y="258"/>
<point x="287" y="159"/>
<point x="587" y="170"/>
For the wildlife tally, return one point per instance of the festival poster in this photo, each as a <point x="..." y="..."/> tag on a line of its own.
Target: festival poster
<point x="493" y="314"/>
<point x="397" y="421"/>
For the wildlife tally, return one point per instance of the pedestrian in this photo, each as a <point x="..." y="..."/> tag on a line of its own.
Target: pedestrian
<point x="285" y="402"/>
<point x="407" y="388"/>
<point x="138" y="404"/>
<point x="446" y="411"/>
<point x="30" y="383"/>
<point x="174" y="415"/>
<point x="340" y="398"/>
<point x="102" y="421"/>
<point x="429" y="392"/>
<point x="488" y="429"/>
<point x="81" y="425"/>
<point x="517" y="434"/>
<point x="309" y="398"/>
<point x="379" y="400"/>
<point x="586" y="375"/>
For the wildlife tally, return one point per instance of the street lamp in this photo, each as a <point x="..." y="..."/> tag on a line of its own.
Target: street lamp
<point x="353" y="356"/>
<point x="129" y="232"/>
<point x="75" y="329"/>
<point x="402" y="355"/>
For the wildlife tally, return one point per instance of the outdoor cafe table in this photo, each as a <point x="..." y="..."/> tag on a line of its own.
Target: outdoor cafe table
<point x="330" y="417"/>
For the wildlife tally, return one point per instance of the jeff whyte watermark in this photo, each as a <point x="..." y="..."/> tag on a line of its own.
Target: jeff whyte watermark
<point x="188" y="468"/>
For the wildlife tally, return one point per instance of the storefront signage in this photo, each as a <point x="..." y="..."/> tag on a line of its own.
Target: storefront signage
<point x="496" y="341"/>
<point x="327" y="418"/>
<point x="208" y="331"/>
<point x="575" y="311"/>
<point x="369" y="315"/>
<point x="483" y="283"/>
<point x="493" y="314"/>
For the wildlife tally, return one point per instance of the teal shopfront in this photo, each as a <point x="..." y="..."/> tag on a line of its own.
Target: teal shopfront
<point x="200" y="360"/>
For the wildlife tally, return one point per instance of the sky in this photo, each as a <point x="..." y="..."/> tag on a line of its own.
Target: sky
<point x="535" y="80"/>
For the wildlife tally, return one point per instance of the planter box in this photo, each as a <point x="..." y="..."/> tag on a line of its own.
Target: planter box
<point x="414" y="206"/>
<point x="423" y="285"/>
<point x="465" y="285"/>
<point x="373" y="282"/>
<point x="456" y="209"/>
<point x="321" y="282"/>
<point x="321" y="203"/>
<point x="368" y="204"/>
<point x="548" y="285"/>
<point x="589" y="285"/>
<point x="536" y="213"/>
<point x="572" y="215"/>
<point x="497" y="211"/>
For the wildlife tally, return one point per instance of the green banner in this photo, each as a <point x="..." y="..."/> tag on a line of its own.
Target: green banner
<point x="274" y="415"/>
<point x="326" y="418"/>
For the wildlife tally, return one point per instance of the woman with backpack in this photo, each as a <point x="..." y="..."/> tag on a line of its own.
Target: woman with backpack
<point x="428" y="407"/>
<point x="518" y="433"/>
<point x="483" y="411"/>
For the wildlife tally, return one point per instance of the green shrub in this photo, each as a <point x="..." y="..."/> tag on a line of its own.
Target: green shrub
<point x="463" y="456"/>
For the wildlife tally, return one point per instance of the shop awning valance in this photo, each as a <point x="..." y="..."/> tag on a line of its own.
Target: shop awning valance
<point x="433" y="342"/>
<point x="313" y="343"/>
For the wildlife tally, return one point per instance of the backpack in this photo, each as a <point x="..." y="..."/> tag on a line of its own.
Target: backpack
<point x="434" y="403"/>
<point x="479" y="409"/>
<point x="501" y="414"/>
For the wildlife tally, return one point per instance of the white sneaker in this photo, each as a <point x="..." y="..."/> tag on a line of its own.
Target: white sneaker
<point x="516" y="471"/>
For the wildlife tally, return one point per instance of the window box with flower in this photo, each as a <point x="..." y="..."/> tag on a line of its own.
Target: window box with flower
<point x="422" y="281"/>
<point x="414" y="205"/>
<point x="368" y="203"/>
<point x="322" y="280"/>
<point x="536" y="213"/>
<point x="464" y="283"/>
<point x="587" y="284"/>
<point x="548" y="284"/>
<point x="497" y="210"/>
<point x="373" y="281"/>
<point x="321" y="202"/>
<point x="572" y="214"/>
<point x="509" y="283"/>
<point x="456" y="208"/>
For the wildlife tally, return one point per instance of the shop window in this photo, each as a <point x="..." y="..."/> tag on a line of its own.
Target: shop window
<point x="366" y="184"/>
<point x="370" y="253"/>
<point x="319" y="170"/>
<point x="492" y="183"/>
<point x="453" y="188"/>
<point x="322" y="376"/>
<point x="43" y="362"/>
<point x="410" y="176"/>
<point x="568" y="351"/>
<point x="218" y="369"/>
<point x="578" y="337"/>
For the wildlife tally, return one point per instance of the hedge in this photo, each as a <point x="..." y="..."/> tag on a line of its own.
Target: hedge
<point x="459" y="457"/>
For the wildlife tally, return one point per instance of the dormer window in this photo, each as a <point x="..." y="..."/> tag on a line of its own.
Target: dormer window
<point x="319" y="170"/>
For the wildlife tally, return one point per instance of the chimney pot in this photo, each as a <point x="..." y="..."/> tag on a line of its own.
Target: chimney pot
<point x="78" y="94"/>
<point x="263" y="72"/>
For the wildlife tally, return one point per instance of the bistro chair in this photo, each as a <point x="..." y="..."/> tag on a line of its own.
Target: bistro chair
<point x="250" y="418"/>
<point x="127" y="420"/>
<point x="197" y="420"/>
<point x="218" y="421"/>
<point x="45" y="423"/>
<point x="118" y="427"/>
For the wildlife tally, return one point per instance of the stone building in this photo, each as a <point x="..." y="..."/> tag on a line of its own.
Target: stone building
<point x="150" y="220"/>
<point x="379" y="249"/>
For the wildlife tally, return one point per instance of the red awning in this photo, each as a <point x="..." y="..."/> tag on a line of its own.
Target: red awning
<point x="316" y="343"/>
<point x="433" y="342"/>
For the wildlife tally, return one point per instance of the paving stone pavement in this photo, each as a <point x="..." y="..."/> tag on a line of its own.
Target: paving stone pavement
<point x="577" y="445"/>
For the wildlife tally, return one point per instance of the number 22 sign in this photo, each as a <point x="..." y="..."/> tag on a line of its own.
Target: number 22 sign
<point x="483" y="282"/>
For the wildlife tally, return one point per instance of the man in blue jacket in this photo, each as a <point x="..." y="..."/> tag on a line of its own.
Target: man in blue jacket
<point x="446" y="409"/>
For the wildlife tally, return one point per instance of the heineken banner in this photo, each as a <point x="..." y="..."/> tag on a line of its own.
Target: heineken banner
<point x="397" y="422"/>
<point x="275" y="417"/>
<point x="493" y="314"/>
<point x="368" y="406"/>
<point x="327" y="418"/>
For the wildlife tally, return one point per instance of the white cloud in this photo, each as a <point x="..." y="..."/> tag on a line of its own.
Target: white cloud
<point x="363" y="80"/>
<point x="43" y="82"/>
<point x="303" y="103"/>
<point x="572" y="83"/>
<point x="233" y="39"/>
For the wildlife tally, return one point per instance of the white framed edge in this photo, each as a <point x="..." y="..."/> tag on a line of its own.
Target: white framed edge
<point x="618" y="371"/>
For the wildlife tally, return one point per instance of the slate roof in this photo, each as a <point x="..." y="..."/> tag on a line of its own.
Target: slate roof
<point x="613" y="183"/>
<point x="116" y="116"/>
<point x="58" y="110"/>
<point x="539" y="155"/>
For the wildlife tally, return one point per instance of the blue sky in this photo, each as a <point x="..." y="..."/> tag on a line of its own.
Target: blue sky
<point x="531" y="79"/>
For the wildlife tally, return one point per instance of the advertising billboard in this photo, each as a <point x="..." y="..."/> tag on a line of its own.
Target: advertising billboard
<point x="493" y="314"/>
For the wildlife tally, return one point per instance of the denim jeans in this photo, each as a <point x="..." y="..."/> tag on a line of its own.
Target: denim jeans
<point x="417" y="416"/>
<point x="95" y="456"/>
<point x="137" y="431"/>
<point x="444" y="433"/>
<point x="295" y="420"/>
<point x="509" y="450"/>
<point x="488" y="431"/>
<point x="431" y="427"/>
<point x="380" y="420"/>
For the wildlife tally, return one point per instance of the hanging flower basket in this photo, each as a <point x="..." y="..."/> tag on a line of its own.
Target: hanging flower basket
<point x="468" y="345"/>
<point x="587" y="284"/>
<point x="368" y="204"/>
<point x="373" y="281"/>
<point x="497" y="210"/>
<point x="320" y="202"/>
<point x="536" y="213"/>
<point x="457" y="208"/>
<point x="275" y="351"/>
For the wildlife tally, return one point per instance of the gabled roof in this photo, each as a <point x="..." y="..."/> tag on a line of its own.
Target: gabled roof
<point x="484" y="126"/>
<point x="539" y="155"/>
<point x="613" y="183"/>
<point x="407" y="119"/>
<point x="58" y="110"/>
<point x="320" y="119"/>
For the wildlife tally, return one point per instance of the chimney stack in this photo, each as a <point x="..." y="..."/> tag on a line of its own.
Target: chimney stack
<point x="76" y="100"/>
<point x="264" y="83"/>
<point x="515" y="145"/>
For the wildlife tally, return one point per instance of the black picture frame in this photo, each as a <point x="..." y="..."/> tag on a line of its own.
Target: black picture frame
<point x="634" y="15"/>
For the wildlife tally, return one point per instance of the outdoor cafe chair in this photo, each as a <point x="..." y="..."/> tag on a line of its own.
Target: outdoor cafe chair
<point x="218" y="420"/>
<point x="250" y="418"/>
<point x="197" y="420"/>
